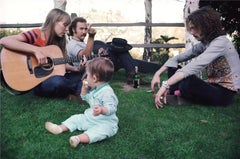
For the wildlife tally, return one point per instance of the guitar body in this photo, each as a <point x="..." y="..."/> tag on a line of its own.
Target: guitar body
<point x="22" y="72"/>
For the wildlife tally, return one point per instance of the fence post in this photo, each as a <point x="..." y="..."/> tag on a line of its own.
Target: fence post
<point x="148" y="29"/>
<point x="61" y="4"/>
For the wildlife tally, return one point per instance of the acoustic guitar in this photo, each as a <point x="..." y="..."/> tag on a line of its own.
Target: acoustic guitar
<point x="22" y="72"/>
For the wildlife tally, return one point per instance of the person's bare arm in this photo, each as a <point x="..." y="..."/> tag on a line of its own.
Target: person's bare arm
<point x="89" y="46"/>
<point x="16" y="43"/>
<point x="156" y="78"/>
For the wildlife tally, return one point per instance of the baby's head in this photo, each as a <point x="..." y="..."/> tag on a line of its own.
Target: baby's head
<point x="101" y="67"/>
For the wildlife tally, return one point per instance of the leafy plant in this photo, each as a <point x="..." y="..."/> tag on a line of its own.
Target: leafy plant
<point x="236" y="42"/>
<point x="161" y="54"/>
<point x="7" y="32"/>
<point x="229" y="17"/>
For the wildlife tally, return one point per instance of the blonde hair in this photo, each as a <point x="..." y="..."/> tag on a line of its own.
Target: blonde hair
<point x="56" y="15"/>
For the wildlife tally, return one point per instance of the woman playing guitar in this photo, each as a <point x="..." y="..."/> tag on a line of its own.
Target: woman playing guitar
<point x="36" y="49"/>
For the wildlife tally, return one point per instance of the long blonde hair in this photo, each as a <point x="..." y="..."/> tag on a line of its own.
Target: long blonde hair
<point x="56" y="15"/>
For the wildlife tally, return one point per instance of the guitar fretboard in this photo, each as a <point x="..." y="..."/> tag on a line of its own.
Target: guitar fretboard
<point x="58" y="61"/>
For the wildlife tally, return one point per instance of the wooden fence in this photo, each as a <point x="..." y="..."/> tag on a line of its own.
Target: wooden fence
<point x="179" y="45"/>
<point x="144" y="66"/>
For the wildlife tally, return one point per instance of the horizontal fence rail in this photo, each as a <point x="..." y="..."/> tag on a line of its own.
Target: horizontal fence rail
<point x="159" y="45"/>
<point x="26" y="25"/>
<point x="32" y="25"/>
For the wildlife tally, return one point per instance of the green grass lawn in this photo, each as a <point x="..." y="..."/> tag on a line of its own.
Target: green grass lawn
<point x="174" y="132"/>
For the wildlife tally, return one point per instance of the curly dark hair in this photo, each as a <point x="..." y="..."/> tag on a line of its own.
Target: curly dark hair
<point x="208" y="21"/>
<point x="74" y="24"/>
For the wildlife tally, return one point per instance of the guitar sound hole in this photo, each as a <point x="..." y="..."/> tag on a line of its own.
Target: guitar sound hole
<point x="49" y="65"/>
<point x="44" y="70"/>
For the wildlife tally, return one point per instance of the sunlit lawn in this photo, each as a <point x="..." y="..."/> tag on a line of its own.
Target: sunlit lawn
<point x="144" y="132"/>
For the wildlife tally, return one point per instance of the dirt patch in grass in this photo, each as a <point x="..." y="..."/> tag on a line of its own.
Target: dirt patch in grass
<point x="127" y="88"/>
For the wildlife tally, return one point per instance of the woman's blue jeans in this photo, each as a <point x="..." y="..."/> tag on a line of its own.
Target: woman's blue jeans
<point x="60" y="86"/>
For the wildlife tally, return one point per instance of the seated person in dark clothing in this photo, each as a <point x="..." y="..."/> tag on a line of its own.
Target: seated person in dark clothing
<point x="118" y="52"/>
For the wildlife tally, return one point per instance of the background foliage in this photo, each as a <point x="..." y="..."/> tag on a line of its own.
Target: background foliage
<point x="230" y="11"/>
<point x="7" y="32"/>
<point x="161" y="54"/>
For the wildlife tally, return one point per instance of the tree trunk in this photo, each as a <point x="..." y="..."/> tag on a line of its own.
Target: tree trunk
<point x="148" y="29"/>
<point x="190" y="6"/>
<point x="61" y="4"/>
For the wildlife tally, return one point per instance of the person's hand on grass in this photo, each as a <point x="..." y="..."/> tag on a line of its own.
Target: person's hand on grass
<point x="161" y="95"/>
<point x="155" y="80"/>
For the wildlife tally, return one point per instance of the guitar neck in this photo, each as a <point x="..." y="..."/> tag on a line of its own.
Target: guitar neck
<point x="58" y="61"/>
